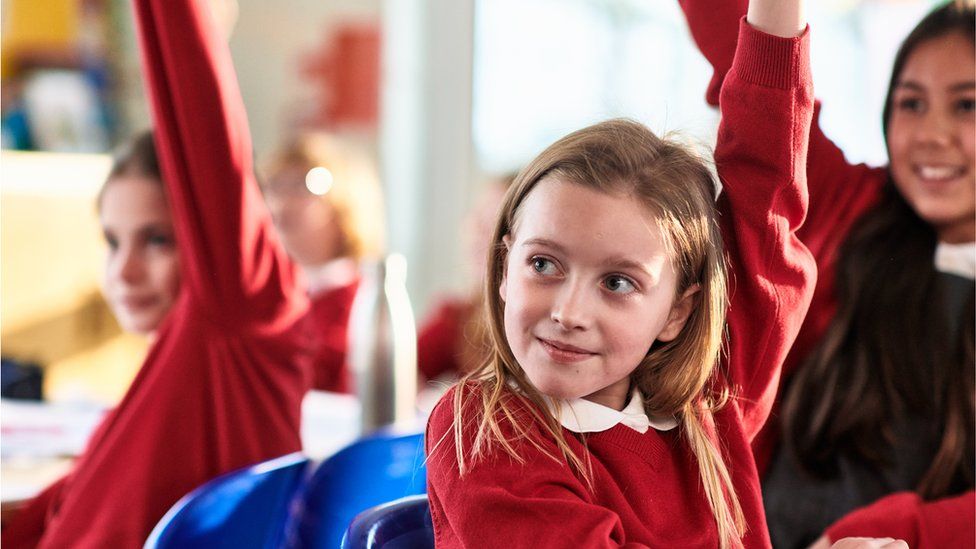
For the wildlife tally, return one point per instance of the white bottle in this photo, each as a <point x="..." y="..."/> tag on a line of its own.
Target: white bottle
<point x="383" y="345"/>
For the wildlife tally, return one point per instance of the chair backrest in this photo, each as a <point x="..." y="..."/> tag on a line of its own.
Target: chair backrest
<point x="379" y="468"/>
<point x="245" y="508"/>
<point x="401" y="524"/>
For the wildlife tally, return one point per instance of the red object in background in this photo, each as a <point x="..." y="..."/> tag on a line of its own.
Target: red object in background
<point x="347" y="72"/>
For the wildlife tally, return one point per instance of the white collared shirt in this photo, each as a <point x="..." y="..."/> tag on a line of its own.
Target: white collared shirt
<point x="957" y="259"/>
<point x="332" y="274"/>
<point x="583" y="416"/>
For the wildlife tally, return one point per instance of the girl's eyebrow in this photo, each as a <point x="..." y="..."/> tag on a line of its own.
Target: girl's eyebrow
<point x="962" y="86"/>
<point x="150" y="228"/>
<point x="626" y="264"/>
<point x="954" y="87"/>
<point x="545" y="242"/>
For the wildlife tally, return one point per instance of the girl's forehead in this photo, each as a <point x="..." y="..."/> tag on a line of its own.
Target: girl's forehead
<point x="578" y="216"/>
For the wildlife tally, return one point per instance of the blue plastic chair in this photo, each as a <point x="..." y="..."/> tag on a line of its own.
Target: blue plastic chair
<point x="401" y="524"/>
<point x="379" y="468"/>
<point x="245" y="508"/>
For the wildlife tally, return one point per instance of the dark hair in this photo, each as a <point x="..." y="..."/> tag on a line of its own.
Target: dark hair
<point x="892" y="348"/>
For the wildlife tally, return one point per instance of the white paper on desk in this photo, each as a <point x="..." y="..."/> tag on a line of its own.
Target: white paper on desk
<point x="43" y="430"/>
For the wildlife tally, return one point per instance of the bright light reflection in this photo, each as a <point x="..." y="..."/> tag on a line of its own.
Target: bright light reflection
<point x="318" y="180"/>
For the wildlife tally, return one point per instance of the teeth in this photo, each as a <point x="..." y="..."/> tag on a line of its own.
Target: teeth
<point x="938" y="172"/>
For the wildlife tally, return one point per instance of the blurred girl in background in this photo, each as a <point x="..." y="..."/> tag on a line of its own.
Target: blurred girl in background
<point x="327" y="206"/>
<point x="194" y="263"/>
<point x="453" y="339"/>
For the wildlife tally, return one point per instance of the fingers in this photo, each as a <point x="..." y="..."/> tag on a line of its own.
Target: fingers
<point x="867" y="543"/>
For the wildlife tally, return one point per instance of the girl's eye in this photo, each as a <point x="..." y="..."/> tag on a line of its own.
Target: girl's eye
<point x="619" y="284"/>
<point x="112" y="243"/>
<point x="159" y="240"/>
<point x="965" y="106"/>
<point x="543" y="266"/>
<point x="910" y="104"/>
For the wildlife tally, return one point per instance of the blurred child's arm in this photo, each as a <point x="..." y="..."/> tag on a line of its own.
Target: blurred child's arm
<point x="941" y="523"/>
<point x="232" y="266"/>
<point x="767" y="104"/>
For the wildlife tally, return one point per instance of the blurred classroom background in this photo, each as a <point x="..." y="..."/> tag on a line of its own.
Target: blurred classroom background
<point x="439" y="96"/>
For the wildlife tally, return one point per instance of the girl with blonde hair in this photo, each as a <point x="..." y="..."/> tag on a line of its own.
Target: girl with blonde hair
<point x="327" y="207"/>
<point x="601" y="417"/>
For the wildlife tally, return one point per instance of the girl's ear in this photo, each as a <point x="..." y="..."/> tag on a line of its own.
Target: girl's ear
<point x="679" y="314"/>
<point x="507" y="241"/>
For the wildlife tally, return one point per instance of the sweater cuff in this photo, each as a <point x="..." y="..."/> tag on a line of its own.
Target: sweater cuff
<point x="771" y="61"/>
<point x="892" y="516"/>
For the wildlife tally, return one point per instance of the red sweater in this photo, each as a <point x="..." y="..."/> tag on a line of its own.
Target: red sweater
<point x="839" y="194"/>
<point x="445" y="340"/>
<point x="220" y="387"/>
<point x="949" y="522"/>
<point x="647" y="492"/>
<point x="328" y="333"/>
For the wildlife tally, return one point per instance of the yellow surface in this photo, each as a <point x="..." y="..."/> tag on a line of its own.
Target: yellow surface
<point x="38" y="25"/>
<point x="51" y="309"/>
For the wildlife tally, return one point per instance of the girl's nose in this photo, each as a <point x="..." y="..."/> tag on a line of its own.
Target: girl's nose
<point x="128" y="265"/>
<point x="572" y="310"/>
<point x="935" y="129"/>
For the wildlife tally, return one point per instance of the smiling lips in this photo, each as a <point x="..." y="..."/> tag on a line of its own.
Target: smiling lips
<point x="563" y="352"/>
<point x="932" y="173"/>
<point x="133" y="303"/>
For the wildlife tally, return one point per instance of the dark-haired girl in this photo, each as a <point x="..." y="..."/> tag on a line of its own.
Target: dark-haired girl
<point x="193" y="262"/>
<point x="878" y="391"/>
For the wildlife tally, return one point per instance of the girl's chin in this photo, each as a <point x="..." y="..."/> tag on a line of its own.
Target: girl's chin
<point x="138" y="325"/>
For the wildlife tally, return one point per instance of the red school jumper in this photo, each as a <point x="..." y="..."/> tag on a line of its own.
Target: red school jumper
<point x="328" y="333"/>
<point x="647" y="491"/>
<point x="220" y="387"/>
<point x="840" y="193"/>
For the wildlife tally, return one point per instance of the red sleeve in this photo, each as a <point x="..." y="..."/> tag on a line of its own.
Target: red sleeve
<point x="233" y="268"/>
<point x="28" y="525"/>
<point x="714" y="28"/>
<point x="944" y="524"/>
<point x="499" y="502"/>
<point x="760" y="156"/>
<point x="839" y="192"/>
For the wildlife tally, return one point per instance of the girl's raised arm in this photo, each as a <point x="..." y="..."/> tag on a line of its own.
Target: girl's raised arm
<point x="232" y="266"/>
<point x="834" y="184"/>
<point x="767" y="104"/>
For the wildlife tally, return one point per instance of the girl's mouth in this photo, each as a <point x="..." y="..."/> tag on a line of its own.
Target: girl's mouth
<point x="936" y="174"/>
<point x="565" y="353"/>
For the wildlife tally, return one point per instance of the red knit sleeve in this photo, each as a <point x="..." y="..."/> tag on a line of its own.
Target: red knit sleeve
<point x="760" y="156"/>
<point x="839" y="192"/>
<point x="232" y="266"/>
<point x="500" y="502"/>
<point x="946" y="523"/>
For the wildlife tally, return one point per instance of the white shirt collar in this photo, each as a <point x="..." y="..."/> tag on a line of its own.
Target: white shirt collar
<point x="583" y="416"/>
<point x="333" y="274"/>
<point x="957" y="259"/>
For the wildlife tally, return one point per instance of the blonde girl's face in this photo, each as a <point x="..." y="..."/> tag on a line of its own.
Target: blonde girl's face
<point x="142" y="265"/>
<point x="588" y="288"/>
<point x="307" y="224"/>
<point x="931" y="135"/>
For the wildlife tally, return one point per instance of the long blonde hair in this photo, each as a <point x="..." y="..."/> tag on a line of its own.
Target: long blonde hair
<point x="675" y="377"/>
